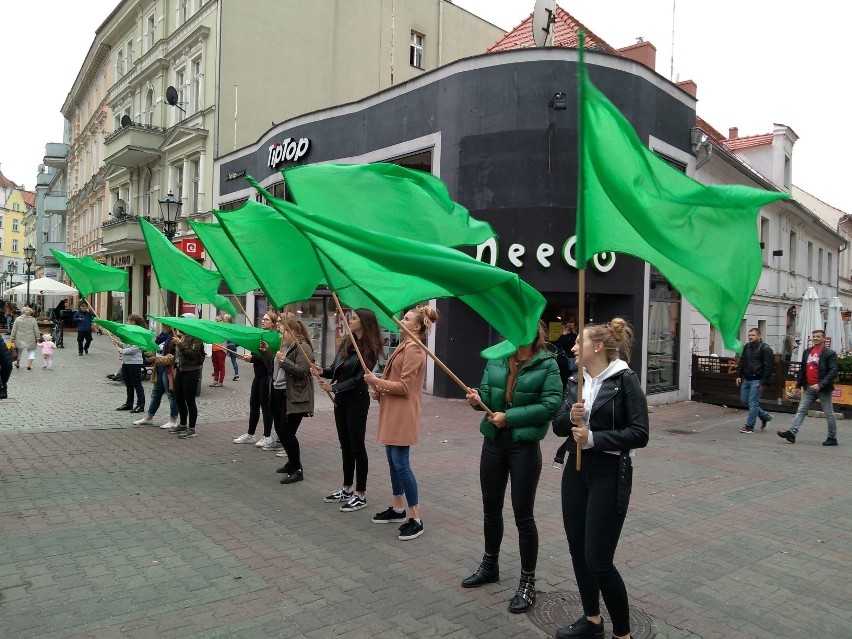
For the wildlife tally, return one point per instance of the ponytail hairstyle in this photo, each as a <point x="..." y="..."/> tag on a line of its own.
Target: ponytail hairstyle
<point x="370" y="343"/>
<point x="427" y="316"/>
<point x="616" y="337"/>
<point x="299" y="329"/>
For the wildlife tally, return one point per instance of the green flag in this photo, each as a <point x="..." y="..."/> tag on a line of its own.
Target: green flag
<point x="130" y="334"/>
<point x="225" y="256"/>
<point x="387" y="198"/>
<point x="181" y="274"/>
<point x="91" y="277"/>
<point x="214" y="332"/>
<point x="395" y="273"/>
<point x="703" y="239"/>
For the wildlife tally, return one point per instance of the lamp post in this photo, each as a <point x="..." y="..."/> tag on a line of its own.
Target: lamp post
<point x="170" y="211"/>
<point x="29" y="257"/>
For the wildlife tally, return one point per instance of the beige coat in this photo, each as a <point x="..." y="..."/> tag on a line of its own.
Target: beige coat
<point x="25" y="332"/>
<point x="400" y="395"/>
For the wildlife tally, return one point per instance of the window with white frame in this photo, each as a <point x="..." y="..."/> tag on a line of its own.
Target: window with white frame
<point x="15" y="226"/>
<point x="129" y="54"/>
<point x="830" y="264"/>
<point x="149" y="106"/>
<point x="147" y="195"/>
<point x="197" y="86"/>
<point x="180" y="83"/>
<point x="819" y="273"/>
<point x="415" y="52"/>
<point x="195" y="205"/>
<point x="179" y="184"/>
<point x="1" y="239"/>
<point x="14" y="246"/>
<point x="809" y="267"/>
<point x="183" y="11"/>
<point x="16" y="207"/>
<point x="119" y="63"/>
<point x="151" y="30"/>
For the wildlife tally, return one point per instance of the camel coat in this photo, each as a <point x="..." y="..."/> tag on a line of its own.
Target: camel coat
<point x="25" y="332"/>
<point x="400" y="394"/>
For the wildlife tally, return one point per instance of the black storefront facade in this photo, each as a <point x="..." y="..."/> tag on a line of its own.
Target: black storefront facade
<point x="488" y="128"/>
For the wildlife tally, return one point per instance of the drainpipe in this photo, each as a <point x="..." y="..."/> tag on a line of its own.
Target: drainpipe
<point x="708" y="148"/>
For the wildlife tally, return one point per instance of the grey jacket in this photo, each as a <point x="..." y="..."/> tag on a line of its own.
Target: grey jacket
<point x="25" y="332"/>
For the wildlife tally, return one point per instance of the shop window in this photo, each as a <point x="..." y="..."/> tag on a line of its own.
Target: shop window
<point x="664" y="328"/>
<point x="415" y="52"/>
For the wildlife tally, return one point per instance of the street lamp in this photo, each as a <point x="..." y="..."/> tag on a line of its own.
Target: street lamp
<point x="29" y="257"/>
<point x="170" y="210"/>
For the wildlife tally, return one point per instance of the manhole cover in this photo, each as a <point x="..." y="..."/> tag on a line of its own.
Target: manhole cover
<point x="678" y="431"/>
<point x="554" y="610"/>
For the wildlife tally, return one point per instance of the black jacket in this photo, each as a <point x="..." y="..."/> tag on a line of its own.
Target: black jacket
<point x="5" y="361"/>
<point x="346" y="372"/>
<point x="756" y="362"/>
<point x="827" y="369"/>
<point x="619" y="416"/>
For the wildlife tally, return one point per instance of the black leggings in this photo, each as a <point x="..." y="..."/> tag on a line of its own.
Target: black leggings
<point x="593" y="526"/>
<point x="285" y="428"/>
<point x="186" y="385"/>
<point x="350" y="417"/>
<point x="132" y="376"/>
<point x="501" y="459"/>
<point x="259" y="403"/>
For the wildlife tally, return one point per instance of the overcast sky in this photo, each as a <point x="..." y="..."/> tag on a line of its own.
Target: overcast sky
<point x="756" y="62"/>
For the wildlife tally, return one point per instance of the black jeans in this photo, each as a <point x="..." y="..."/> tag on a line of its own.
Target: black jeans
<point x="278" y="408"/>
<point x="286" y="430"/>
<point x="350" y="417"/>
<point x="593" y="526"/>
<point x="501" y="459"/>
<point x="132" y="376"/>
<point x="259" y="403"/>
<point x="186" y="385"/>
<point x="81" y="337"/>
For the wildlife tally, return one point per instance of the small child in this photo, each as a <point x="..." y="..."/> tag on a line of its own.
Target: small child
<point x="47" y="347"/>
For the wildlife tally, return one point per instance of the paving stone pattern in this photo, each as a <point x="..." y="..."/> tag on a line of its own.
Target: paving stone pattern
<point x="113" y="530"/>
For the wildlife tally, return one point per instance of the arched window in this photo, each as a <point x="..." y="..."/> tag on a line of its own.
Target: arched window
<point x="149" y="107"/>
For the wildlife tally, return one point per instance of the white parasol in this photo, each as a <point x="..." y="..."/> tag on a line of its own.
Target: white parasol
<point x="808" y="320"/>
<point x="835" y="337"/>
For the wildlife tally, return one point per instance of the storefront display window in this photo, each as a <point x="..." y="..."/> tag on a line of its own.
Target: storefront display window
<point x="663" y="335"/>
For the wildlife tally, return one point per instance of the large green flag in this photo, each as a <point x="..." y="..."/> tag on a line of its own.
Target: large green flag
<point x="181" y="274"/>
<point x="703" y="239"/>
<point x="392" y="273"/>
<point x="387" y="198"/>
<point x="225" y="256"/>
<point x="91" y="277"/>
<point x="214" y="332"/>
<point x="130" y="334"/>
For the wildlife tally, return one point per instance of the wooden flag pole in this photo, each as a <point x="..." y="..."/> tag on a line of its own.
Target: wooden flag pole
<point x="443" y="366"/>
<point x="581" y="311"/>
<point x="349" y="332"/>
<point x="304" y="352"/>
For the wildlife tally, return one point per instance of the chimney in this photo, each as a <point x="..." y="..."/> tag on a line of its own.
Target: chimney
<point x="690" y="87"/>
<point x="733" y="133"/>
<point x="643" y="52"/>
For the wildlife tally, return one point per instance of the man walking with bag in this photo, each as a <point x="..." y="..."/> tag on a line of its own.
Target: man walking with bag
<point x="816" y="378"/>
<point x="756" y="364"/>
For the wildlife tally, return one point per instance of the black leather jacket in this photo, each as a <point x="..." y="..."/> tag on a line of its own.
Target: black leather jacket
<point x="756" y="362"/>
<point x="347" y="372"/>
<point x="827" y="369"/>
<point x="619" y="416"/>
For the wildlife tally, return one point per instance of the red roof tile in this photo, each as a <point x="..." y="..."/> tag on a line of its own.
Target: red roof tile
<point x="29" y="198"/>
<point x="705" y="126"/>
<point x="6" y="183"/>
<point x="748" y="142"/>
<point x="565" y="34"/>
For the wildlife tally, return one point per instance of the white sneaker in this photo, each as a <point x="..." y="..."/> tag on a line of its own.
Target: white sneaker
<point x="168" y="425"/>
<point x="281" y="453"/>
<point x="263" y="441"/>
<point x="274" y="445"/>
<point x="144" y="420"/>
<point x="245" y="438"/>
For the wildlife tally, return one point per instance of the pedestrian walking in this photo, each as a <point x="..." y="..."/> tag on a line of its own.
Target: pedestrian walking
<point x="608" y="422"/>
<point x="260" y="387"/>
<point x="132" y="361"/>
<point x="25" y="336"/>
<point x="293" y="362"/>
<point x="83" y="319"/>
<point x="524" y="392"/>
<point x="218" y="357"/>
<point x="399" y="392"/>
<point x="232" y="348"/>
<point x="189" y="358"/>
<point x="47" y="348"/>
<point x="755" y="369"/>
<point x="352" y="404"/>
<point x="163" y="376"/>
<point x="5" y="368"/>
<point x="816" y="379"/>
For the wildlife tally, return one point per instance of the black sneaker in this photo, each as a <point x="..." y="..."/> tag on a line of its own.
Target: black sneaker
<point x="337" y="496"/>
<point x="764" y="422"/>
<point x="177" y="429"/>
<point x="411" y="530"/>
<point x="786" y="434"/>
<point x="389" y="516"/>
<point x="356" y="502"/>
<point x="293" y="477"/>
<point x="187" y="433"/>
<point x="581" y="629"/>
<point x="830" y="441"/>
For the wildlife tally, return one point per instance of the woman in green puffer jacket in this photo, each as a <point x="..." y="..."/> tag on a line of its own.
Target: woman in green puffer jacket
<point x="524" y="392"/>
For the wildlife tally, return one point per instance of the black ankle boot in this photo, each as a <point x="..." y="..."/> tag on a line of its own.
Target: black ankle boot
<point x="525" y="596"/>
<point x="487" y="573"/>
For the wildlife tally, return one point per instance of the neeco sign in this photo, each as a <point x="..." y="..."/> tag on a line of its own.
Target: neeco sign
<point x="601" y="262"/>
<point x="290" y="150"/>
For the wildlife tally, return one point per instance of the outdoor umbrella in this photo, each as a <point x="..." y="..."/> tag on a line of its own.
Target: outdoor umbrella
<point x="130" y="334"/>
<point x="808" y="320"/>
<point x="213" y="332"/>
<point x="43" y="286"/>
<point x="835" y="337"/>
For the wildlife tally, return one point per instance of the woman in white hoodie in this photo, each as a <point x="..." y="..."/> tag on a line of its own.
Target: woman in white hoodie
<point x="608" y="422"/>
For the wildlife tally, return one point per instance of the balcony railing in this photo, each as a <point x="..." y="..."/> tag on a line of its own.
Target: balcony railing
<point x="134" y="145"/>
<point x="56" y="202"/>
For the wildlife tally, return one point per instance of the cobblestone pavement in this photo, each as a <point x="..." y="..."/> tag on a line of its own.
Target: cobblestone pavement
<point x="112" y="530"/>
